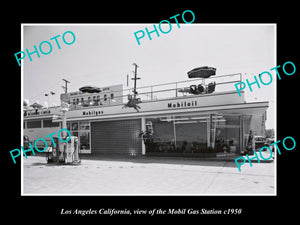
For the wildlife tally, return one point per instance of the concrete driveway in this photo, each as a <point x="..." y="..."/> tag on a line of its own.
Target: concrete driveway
<point x="147" y="176"/>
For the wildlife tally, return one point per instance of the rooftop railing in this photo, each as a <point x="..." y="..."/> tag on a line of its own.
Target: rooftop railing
<point x="223" y="83"/>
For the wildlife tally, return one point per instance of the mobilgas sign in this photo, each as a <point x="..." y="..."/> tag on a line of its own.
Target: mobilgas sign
<point x="92" y="112"/>
<point x="168" y="105"/>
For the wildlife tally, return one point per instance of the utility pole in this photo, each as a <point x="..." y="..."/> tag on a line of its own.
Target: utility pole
<point x="135" y="78"/>
<point x="66" y="85"/>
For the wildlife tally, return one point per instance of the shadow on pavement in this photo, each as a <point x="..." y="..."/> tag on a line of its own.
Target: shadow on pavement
<point x="164" y="160"/>
<point x="223" y="161"/>
<point x="52" y="164"/>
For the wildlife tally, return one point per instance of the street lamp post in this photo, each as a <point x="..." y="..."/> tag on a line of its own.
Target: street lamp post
<point x="48" y="95"/>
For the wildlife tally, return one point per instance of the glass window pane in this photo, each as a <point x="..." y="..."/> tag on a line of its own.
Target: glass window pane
<point x="49" y="123"/>
<point x="74" y="133"/>
<point x="84" y="140"/>
<point x="191" y="135"/>
<point x="84" y="125"/>
<point x="178" y="134"/>
<point x="159" y="137"/>
<point x="34" y="124"/>
<point x="227" y="133"/>
<point x="69" y="126"/>
<point x="75" y="126"/>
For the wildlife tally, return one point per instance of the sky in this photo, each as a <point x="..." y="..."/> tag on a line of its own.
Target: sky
<point x="103" y="54"/>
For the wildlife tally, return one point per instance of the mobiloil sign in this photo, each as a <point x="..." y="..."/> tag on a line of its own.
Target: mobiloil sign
<point x="182" y="104"/>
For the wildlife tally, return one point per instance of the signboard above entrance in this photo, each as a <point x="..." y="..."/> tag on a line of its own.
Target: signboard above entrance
<point x="164" y="105"/>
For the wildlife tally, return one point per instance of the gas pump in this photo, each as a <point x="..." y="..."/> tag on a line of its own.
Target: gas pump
<point x="71" y="150"/>
<point x="52" y="154"/>
<point x="61" y="152"/>
<point x="65" y="152"/>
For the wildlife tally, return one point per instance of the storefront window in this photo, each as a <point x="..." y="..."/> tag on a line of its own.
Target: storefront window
<point x="247" y="119"/>
<point x="72" y="126"/>
<point x="162" y="139"/>
<point x="34" y="124"/>
<point x="193" y="134"/>
<point x="84" y="140"/>
<point x="49" y="123"/>
<point x="177" y="134"/>
<point x="69" y="126"/>
<point x="226" y="133"/>
<point x="84" y="125"/>
<point x="82" y="131"/>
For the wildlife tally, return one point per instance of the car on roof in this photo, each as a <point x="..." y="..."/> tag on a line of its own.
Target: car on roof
<point x="90" y="89"/>
<point x="202" y="72"/>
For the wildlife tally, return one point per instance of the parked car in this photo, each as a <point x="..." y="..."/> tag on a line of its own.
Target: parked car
<point x="269" y="142"/>
<point x="26" y="142"/>
<point x="260" y="141"/>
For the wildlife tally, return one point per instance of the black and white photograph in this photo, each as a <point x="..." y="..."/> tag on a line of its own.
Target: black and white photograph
<point x="149" y="111"/>
<point x="163" y="114"/>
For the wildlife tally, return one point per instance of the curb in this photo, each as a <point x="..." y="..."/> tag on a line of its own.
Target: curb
<point x="162" y="158"/>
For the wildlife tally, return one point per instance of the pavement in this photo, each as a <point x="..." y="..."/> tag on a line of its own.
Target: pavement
<point x="111" y="175"/>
